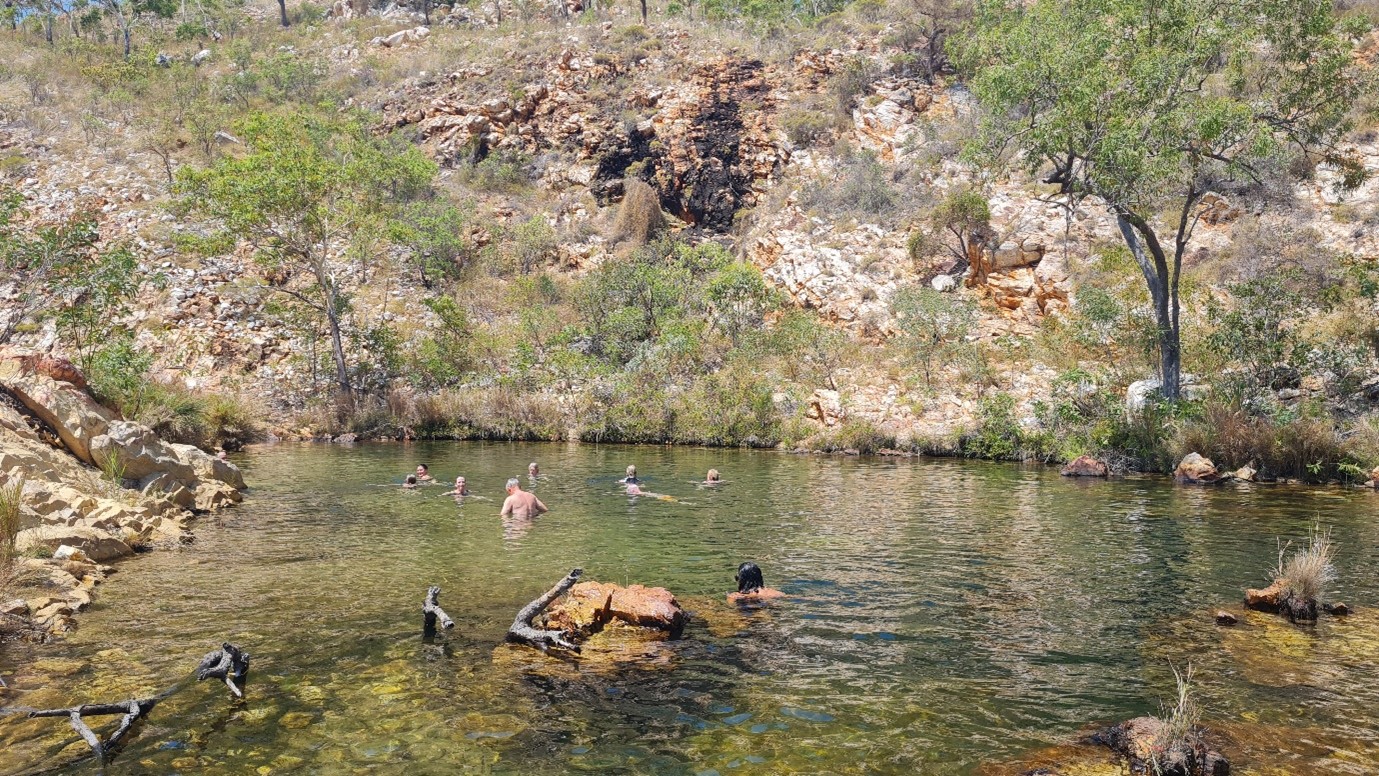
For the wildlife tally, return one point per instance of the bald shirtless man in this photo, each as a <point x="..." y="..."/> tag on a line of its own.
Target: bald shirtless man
<point x="521" y="504"/>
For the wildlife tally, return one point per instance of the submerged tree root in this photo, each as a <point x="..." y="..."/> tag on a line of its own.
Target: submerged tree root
<point x="228" y="663"/>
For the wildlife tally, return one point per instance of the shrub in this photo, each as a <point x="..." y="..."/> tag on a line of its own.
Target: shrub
<point x="731" y="408"/>
<point x="805" y="125"/>
<point x="503" y="171"/>
<point x="11" y="502"/>
<point x="851" y="80"/>
<point x="999" y="435"/>
<point x="933" y="325"/>
<point x="859" y="435"/>
<point x="1305" y="573"/>
<point x="639" y="216"/>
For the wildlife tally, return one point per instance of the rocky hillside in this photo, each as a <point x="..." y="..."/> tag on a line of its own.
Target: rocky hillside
<point x="819" y="155"/>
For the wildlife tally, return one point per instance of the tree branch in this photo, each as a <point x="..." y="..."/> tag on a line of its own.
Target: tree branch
<point x="522" y="631"/>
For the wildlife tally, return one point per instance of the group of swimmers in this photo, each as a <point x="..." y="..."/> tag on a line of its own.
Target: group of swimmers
<point x="524" y="505"/>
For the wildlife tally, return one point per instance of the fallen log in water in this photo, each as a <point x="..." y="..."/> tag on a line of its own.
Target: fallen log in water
<point x="228" y="663"/>
<point x="523" y="632"/>
<point x="431" y="611"/>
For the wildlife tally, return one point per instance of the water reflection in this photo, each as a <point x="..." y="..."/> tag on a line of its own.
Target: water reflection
<point x="942" y="614"/>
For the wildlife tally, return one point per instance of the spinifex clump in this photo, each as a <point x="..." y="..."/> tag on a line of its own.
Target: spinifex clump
<point x="1300" y="579"/>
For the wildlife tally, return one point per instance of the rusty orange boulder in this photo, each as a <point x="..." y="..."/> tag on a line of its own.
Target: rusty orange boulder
<point x="1085" y="466"/>
<point x="1267" y="599"/>
<point x="591" y="605"/>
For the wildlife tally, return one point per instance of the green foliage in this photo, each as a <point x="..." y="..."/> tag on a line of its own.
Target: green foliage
<point x="738" y="300"/>
<point x="43" y="260"/>
<point x="815" y="351"/>
<point x="446" y="354"/>
<point x="1146" y="107"/>
<point x="999" y="435"/>
<point x="437" y="235"/>
<point x="531" y="243"/>
<point x="11" y="501"/>
<point x="309" y="188"/>
<point x="98" y="291"/>
<point x="862" y="186"/>
<point x="500" y="172"/>
<point x="855" y="436"/>
<point x="959" y="220"/>
<point x="933" y="326"/>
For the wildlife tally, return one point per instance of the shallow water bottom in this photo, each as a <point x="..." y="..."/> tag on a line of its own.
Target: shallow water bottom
<point x="944" y="618"/>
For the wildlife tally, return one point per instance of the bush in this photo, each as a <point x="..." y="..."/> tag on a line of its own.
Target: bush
<point x="639" y="216"/>
<point x="999" y="435"/>
<point x="856" y="435"/>
<point x="852" y="79"/>
<point x="933" y="326"/>
<point x="11" y="501"/>
<point x="1304" y="575"/>
<point x="805" y="125"/>
<point x="861" y="187"/>
<point x="732" y="408"/>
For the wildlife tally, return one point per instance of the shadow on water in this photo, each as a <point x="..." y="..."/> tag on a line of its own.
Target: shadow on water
<point x="945" y="617"/>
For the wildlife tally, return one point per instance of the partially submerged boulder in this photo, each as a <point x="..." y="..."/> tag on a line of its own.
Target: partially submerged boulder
<point x="1085" y="466"/>
<point x="589" y="606"/>
<point x="1265" y="599"/>
<point x="1198" y="470"/>
<point x="1150" y="746"/>
<point x="97" y="544"/>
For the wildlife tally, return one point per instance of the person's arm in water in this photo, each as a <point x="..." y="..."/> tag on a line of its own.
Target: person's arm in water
<point x="507" y="507"/>
<point x="540" y="508"/>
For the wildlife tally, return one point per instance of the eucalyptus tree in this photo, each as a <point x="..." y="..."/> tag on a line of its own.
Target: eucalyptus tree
<point x="1144" y="106"/>
<point x="311" y="192"/>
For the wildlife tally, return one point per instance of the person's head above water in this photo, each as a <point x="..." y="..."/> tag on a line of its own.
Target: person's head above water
<point x="411" y="479"/>
<point x="423" y="470"/>
<point x="513" y="485"/>
<point x="712" y="476"/>
<point x="533" y="469"/>
<point x="632" y="471"/>
<point x="459" y="483"/>
<point x="749" y="578"/>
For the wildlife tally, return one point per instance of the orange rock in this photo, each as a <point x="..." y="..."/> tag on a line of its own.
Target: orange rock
<point x="1085" y="466"/>
<point x="1267" y="599"/>
<point x="591" y="605"/>
<point x="1196" y="469"/>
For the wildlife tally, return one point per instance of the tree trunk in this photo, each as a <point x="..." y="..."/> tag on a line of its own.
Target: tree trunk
<point x="282" y="11"/>
<point x="342" y="374"/>
<point x="1163" y="290"/>
<point x="125" y="30"/>
<point x="643" y="13"/>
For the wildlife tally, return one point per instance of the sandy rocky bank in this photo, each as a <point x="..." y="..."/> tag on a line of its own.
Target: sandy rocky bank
<point x="67" y="449"/>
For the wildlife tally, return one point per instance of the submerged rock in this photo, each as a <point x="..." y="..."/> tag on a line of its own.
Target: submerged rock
<point x="1085" y="466"/>
<point x="1226" y="618"/>
<point x="1150" y="746"/>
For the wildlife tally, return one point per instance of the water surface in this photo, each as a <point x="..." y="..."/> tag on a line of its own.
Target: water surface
<point x="945" y="617"/>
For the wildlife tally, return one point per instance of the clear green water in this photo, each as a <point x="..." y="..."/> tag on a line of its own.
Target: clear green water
<point x="946" y="618"/>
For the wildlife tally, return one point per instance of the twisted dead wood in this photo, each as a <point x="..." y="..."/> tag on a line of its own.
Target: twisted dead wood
<point x="431" y="611"/>
<point x="228" y="663"/>
<point x="523" y="632"/>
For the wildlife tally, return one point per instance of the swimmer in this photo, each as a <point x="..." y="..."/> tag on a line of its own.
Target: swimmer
<point x="424" y="473"/>
<point x="751" y="586"/>
<point x="460" y="488"/>
<point x="521" y="504"/>
<point x="411" y="482"/>
<point x="712" y="478"/>
<point x="533" y="471"/>
<point x="633" y="490"/>
<point x="631" y="478"/>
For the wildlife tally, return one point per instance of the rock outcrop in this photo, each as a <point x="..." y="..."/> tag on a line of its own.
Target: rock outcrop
<point x="95" y="487"/>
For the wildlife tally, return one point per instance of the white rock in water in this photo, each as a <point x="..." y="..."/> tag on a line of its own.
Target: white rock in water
<point x="944" y="283"/>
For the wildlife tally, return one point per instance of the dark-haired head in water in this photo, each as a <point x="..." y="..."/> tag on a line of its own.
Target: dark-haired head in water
<point x="411" y="481"/>
<point x="751" y="586"/>
<point x="424" y="473"/>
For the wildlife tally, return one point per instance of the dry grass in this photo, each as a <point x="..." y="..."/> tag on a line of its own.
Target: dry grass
<point x="639" y="217"/>
<point x="1181" y="729"/>
<point x="11" y="499"/>
<point x="1307" y="571"/>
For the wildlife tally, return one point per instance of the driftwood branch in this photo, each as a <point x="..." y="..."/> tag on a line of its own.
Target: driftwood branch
<point x="523" y="632"/>
<point x="228" y="663"/>
<point x="431" y="611"/>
